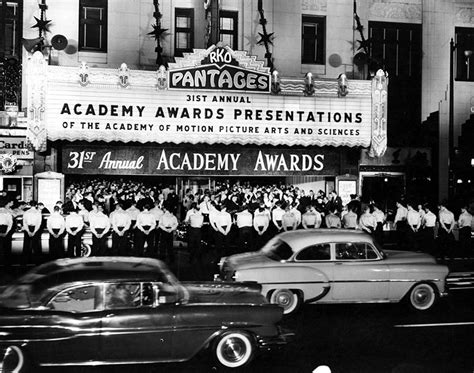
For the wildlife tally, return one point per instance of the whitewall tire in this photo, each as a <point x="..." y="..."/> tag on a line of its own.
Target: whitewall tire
<point x="13" y="360"/>
<point x="422" y="297"/>
<point x="287" y="299"/>
<point x="234" y="350"/>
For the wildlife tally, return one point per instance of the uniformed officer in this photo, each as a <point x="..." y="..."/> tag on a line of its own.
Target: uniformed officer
<point x="144" y="230"/>
<point x="244" y="222"/>
<point x="74" y="228"/>
<point x="194" y="220"/>
<point x="56" y="226"/>
<point x="168" y="225"/>
<point x="120" y="222"/>
<point x="367" y="221"/>
<point x="261" y="223"/>
<point x="6" y="224"/>
<point x="32" y="220"/>
<point x="221" y="222"/>
<point x="100" y="227"/>
<point x="311" y="218"/>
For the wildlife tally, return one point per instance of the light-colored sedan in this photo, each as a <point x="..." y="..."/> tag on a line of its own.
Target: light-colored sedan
<point x="337" y="266"/>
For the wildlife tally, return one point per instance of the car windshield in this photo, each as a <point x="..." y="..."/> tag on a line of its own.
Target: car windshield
<point x="277" y="249"/>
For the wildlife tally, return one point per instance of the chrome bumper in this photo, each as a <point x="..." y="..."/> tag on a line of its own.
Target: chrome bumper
<point x="270" y="343"/>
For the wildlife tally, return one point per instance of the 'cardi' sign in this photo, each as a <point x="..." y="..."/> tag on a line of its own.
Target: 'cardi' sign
<point x="220" y="68"/>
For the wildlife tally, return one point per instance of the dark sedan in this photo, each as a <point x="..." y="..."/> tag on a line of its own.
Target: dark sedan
<point x="116" y="310"/>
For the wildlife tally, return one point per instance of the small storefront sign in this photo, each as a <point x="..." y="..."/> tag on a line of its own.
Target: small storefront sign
<point x="226" y="161"/>
<point x="16" y="146"/>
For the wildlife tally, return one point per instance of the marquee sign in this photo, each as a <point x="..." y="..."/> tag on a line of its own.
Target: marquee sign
<point x="189" y="160"/>
<point x="221" y="68"/>
<point x="211" y="96"/>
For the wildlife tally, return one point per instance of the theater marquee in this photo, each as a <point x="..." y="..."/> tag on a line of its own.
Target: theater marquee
<point x="193" y="160"/>
<point x="213" y="96"/>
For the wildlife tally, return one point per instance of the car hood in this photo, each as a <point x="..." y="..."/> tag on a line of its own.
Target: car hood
<point x="397" y="256"/>
<point x="224" y="292"/>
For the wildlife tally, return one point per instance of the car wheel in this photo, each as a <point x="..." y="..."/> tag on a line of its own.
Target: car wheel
<point x="287" y="299"/>
<point x="85" y="250"/>
<point x="13" y="360"/>
<point x="234" y="350"/>
<point x="422" y="297"/>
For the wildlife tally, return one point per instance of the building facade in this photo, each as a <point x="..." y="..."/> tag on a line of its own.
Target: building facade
<point x="408" y="39"/>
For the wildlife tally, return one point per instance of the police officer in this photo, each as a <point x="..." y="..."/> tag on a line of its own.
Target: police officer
<point x="168" y="225"/>
<point x="32" y="220"/>
<point x="6" y="224"/>
<point x="244" y="222"/>
<point x="74" y="228"/>
<point x="99" y="224"/>
<point x="144" y="230"/>
<point x="56" y="226"/>
<point x="194" y="220"/>
<point x="120" y="222"/>
<point x="261" y="222"/>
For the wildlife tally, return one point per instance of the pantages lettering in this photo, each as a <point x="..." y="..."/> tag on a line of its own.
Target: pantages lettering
<point x="219" y="70"/>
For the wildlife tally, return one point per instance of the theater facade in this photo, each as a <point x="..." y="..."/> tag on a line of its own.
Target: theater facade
<point x="214" y="114"/>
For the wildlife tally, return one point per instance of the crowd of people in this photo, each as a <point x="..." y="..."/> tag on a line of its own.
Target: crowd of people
<point x="144" y="220"/>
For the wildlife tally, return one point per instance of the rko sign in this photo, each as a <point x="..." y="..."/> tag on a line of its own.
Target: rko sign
<point x="219" y="68"/>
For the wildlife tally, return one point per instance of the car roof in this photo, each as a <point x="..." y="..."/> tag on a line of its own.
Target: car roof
<point x="97" y="269"/>
<point x="302" y="238"/>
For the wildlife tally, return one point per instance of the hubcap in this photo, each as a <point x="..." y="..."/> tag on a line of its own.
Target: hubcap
<point x="233" y="350"/>
<point x="422" y="297"/>
<point x="284" y="299"/>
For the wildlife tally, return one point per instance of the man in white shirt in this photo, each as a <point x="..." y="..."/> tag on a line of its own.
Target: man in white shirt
<point x="74" y="228"/>
<point x="168" y="225"/>
<point x="144" y="231"/>
<point x="194" y="220"/>
<point x="244" y="222"/>
<point x="56" y="226"/>
<point x="221" y="222"/>
<point x="120" y="222"/>
<point x="380" y="218"/>
<point x="413" y="226"/>
<point x="6" y="225"/>
<point x="400" y="224"/>
<point x="445" y="230"/>
<point x="367" y="221"/>
<point x="157" y="212"/>
<point x="261" y="222"/>
<point x="277" y="215"/>
<point x="32" y="220"/>
<point x="464" y="225"/>
<point x="311" y="218"/>
<point x="428" y="237"/>
<point x="100" y="227"/>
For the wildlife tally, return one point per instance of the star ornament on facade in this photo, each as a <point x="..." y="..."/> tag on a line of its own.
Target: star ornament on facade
<point x="158" y="32"/>
<point x="42" y="25"/>
<point x="363" y="44"/>
<point x="264" y="39"/>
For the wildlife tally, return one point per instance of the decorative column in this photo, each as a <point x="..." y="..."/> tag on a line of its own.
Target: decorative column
<point x="37" y="72"/>
<point x="378" y="144"/>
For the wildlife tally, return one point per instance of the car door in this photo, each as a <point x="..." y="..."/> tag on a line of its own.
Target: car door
<point x="69" y="326"/>
<point x="360" y="273"/>
<point x="136" y="328"/>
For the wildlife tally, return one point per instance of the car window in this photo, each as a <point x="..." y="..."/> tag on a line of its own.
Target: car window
<point x="277" y="250"/>
<point x="80" y="299"/>
<point x="355" y="251"/>
<point x="129" y="295"/>
<point x="315" y="252"/>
